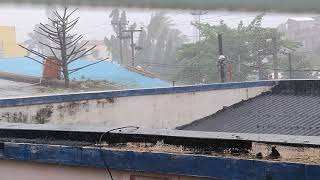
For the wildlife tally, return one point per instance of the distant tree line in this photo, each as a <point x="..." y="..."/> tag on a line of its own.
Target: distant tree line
<point x="250" y="52"/>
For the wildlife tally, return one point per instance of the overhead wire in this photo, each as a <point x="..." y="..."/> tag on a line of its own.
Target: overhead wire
<point x="281" y="69"/>
<point x="188" y="21"/>
<point x="230" y="19"/>
<point x="100" y="146"/>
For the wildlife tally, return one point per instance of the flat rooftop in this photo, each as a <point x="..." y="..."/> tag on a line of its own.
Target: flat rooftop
<point x="187" y="153"/>
<point x="18" y="89"/>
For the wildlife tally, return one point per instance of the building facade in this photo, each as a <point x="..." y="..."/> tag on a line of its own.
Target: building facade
<point x="8" y="43"/>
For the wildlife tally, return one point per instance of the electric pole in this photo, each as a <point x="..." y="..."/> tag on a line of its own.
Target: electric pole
<point x="275" y="57"/>
<point x="197" y="17"/>
<point x="133" y="45"/>
<point x="260" y="57"/>
<point x="120" y="25"/>
<point x="290" y="65"/>
<point x="221" y="60"/>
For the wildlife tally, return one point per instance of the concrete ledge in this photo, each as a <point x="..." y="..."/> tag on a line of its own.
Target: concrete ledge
<point x="178" y="164"/>
<point x="136" y="92"/>
<point x="91" y="134"/>
<point x="32" y="79"/>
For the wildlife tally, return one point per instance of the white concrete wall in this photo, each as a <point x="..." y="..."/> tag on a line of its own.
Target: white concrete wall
<point x="147" y="111"/>
<point x="23" y="170"/>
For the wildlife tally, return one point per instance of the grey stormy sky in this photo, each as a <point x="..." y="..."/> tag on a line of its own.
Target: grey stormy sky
<point x="95" y="24"/>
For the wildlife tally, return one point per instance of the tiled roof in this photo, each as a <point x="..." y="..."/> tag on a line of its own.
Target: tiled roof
<point x="290" y="108"/>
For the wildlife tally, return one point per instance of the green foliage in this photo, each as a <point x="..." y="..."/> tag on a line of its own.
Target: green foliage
<point x="249" y="50"/>
<point x="157" y="43"/>
<point x="299" y="61"/>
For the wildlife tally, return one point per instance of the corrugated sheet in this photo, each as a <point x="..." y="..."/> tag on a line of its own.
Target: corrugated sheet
<point x="272" y="113"/>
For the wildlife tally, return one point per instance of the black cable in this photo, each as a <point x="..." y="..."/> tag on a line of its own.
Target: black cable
<point x="100" y="146"/>
<point x="270" y="68"/>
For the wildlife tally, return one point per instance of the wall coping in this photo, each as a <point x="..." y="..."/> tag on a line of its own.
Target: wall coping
<point x="166" y="163"/>
<point x="46" y="99"/>
<point x="16" y="130"/>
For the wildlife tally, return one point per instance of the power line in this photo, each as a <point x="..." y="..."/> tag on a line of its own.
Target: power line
<point x="280" y="69"/>
<point x="247" y="65"/>
<point x="258" y="34"/>
<point x="182" y="22"/>
<point x="230" y="19"/>
<point x="166" y="65"/>
<point x="173" y="66"/>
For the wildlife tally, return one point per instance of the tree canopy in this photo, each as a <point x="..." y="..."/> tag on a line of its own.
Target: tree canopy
<point x="252" y="51"/>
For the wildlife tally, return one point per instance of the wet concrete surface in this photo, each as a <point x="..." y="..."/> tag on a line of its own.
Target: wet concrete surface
<point x="18" y="89"/>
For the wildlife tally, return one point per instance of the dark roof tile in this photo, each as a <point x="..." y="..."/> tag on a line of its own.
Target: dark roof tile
<point x="271" y="113"/>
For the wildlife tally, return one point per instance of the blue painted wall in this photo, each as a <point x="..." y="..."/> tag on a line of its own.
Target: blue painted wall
<point x="101" y="71"/>
<point x="189" y="165"/>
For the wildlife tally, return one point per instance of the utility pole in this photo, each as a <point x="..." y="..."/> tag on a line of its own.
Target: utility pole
<point x="221" y="60"/>
<point x="133" y="45"/>
<point x="290" y="65"/>
<point x="120" y="36"/>
<point x="197" y="16"/>
<point x="259" y="56"/>
<point x="275" y="57"/>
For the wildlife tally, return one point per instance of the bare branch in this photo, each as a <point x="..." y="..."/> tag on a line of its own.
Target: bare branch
<point x="44" y="64"/>
<point x="34" y="52"/>
<point x="46" y="33"/>
<point x="78" y="50"/>
<point x="47" y="36"/>
<point x="56" y="13"/>
<point x="34" y="60"/>
<point x="74" y="42"/>
<point x="54" y="54"/>
<point x="47" y="28"/>
<point x="72" y="12"/>
<point x="59" y="38"/>
<point x="65" y="11"/>
<point x="75" y="19"/>
<point x="73" y="56"/>
<point x="82" y="55"/>
<point x="57" y="48"/>
<point x="70" y="27"/>
<point x="53" y="34"/>
<point x="55" y="40"/>
<point x="77" y="69"/>
<point x="71" y="53"/>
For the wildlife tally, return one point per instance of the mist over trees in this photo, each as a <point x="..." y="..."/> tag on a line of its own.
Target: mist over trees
<point x="157" y="43"/>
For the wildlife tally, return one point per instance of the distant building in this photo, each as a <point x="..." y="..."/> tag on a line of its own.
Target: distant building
<point x="304" y="30"/>
<point x="8" y="43"/>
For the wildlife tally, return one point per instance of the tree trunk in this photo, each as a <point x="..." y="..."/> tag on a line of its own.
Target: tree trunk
<point x="66" y="81"/>
<point x="66" y="76"/>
